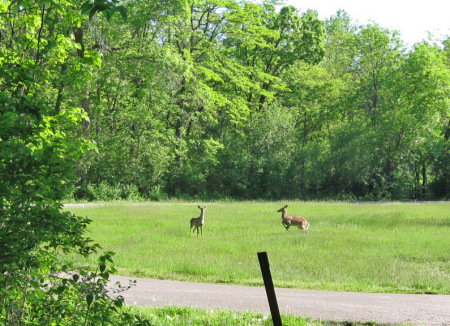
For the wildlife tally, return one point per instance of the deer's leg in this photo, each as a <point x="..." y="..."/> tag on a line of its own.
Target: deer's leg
<point x="304" y="227"/>
<point x="286" y="226"/>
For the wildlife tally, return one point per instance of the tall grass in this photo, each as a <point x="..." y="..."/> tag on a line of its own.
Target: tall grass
<point x="389" y="247"/>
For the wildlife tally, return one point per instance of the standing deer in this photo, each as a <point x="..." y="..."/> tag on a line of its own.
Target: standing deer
<point x="287" y="221"/>
<point x="198" y="222"/>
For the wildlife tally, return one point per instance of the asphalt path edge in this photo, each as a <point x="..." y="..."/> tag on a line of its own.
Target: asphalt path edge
<point x="414" y="309"/>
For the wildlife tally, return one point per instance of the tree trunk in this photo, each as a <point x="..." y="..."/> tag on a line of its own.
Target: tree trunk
<point x="424" y="181"/>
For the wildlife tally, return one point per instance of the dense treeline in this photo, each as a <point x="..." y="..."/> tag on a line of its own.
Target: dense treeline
<point x="222" y="99"/>
<point x="226" y="99"/>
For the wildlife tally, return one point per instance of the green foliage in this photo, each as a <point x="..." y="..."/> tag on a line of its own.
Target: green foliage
<point x="108" y="8"/>
<point x="220" y="99"/>
<point x="66" y="298"/>
<point x="38" y="154"/>
<point x="37" y="157"/>
<point x="105" y="192"/>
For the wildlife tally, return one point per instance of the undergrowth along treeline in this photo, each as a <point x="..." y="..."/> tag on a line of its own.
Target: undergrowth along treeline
<point x="372" y="247"/>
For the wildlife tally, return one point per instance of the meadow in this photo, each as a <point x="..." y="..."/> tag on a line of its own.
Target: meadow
<point x="367" y="247"/>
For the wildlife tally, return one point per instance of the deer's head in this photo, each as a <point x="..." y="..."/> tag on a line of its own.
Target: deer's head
<point x="283" y="209"/>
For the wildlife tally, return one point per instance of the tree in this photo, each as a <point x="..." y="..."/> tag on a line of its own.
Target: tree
<point x="37" y="157"/>
<point x="267" y="45"/>
<point x="365" y="146"/>
<point x="441" y="184"/>
<point x="281" y="39"/>
<point x="425" y="84"/>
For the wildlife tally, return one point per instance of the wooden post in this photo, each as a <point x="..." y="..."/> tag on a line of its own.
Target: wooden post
<point x="270" y="290"/>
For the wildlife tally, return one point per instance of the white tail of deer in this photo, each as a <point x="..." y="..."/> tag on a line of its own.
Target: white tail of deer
<point x="288" y="221"/>
<point x="198" y="222"/>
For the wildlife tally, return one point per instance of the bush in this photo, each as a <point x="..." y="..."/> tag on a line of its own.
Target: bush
<point x="42" y="297"/>
<point x="104" y="192"/>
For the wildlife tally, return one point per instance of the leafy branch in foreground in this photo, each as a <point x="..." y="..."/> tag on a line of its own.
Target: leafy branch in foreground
<point x="37" y="158"/>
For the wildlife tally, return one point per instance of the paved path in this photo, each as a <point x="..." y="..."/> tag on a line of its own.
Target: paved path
<point x="416" y="309"/>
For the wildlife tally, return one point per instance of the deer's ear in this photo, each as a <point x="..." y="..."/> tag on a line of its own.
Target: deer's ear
<point x="199" y="207"/>
<point x="205" y="206"/>
<point x="285" y="206"/>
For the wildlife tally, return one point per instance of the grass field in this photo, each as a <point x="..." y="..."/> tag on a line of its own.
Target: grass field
<point x="373" y="247"/>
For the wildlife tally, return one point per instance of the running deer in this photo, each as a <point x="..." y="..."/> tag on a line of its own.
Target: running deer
<point x="198" y="222"/>
<point x="287" y="221"/>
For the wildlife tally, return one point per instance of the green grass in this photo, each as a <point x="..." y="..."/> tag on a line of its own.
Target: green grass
<point x="192" y="316"/>
<point x="380" y="247"/>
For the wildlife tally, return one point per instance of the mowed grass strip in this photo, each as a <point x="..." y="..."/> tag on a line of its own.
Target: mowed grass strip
<point x="379" y="247"/>
<point x="170" y="316"/>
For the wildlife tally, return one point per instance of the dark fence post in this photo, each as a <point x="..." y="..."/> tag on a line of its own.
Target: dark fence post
<point x="270" y="290"/>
